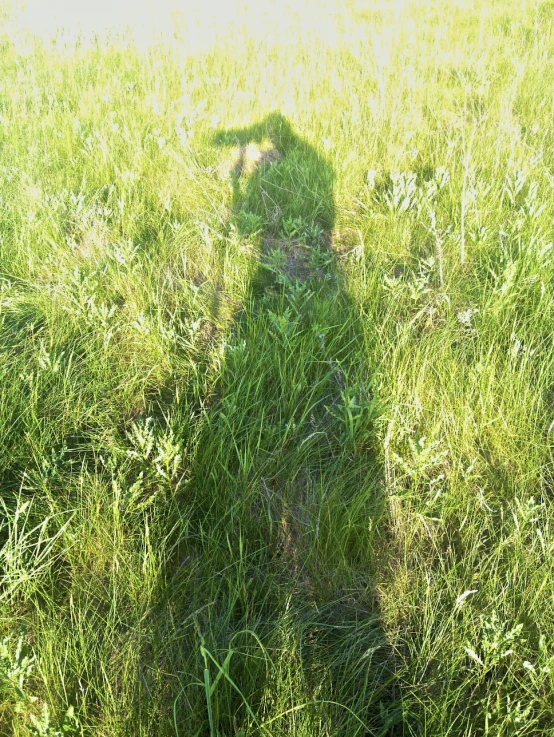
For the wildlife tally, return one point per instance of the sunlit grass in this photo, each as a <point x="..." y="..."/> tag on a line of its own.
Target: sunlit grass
<point x="276" y="402"/>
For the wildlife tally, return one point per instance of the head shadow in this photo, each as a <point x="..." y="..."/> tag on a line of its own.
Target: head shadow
<point x="282" y="186"/>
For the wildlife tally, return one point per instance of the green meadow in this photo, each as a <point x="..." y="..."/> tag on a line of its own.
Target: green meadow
<point x="277" y="375"/>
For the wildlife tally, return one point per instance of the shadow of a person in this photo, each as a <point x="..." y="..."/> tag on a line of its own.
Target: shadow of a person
<point x="289" y="618"/>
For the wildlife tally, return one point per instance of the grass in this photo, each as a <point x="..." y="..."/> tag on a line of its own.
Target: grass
<point x="277" y="434"/>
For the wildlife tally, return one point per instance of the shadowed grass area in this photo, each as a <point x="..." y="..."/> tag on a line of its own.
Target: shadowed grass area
<point x="276" y="378"/>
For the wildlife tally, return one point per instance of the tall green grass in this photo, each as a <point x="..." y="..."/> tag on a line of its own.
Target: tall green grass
<point x="277" y="445"/>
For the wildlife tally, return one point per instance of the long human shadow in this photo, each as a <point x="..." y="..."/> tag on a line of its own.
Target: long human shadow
<point x="285" y="492"/>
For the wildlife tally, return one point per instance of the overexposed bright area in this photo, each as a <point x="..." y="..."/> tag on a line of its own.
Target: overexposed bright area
<point x="193" y="23"/>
